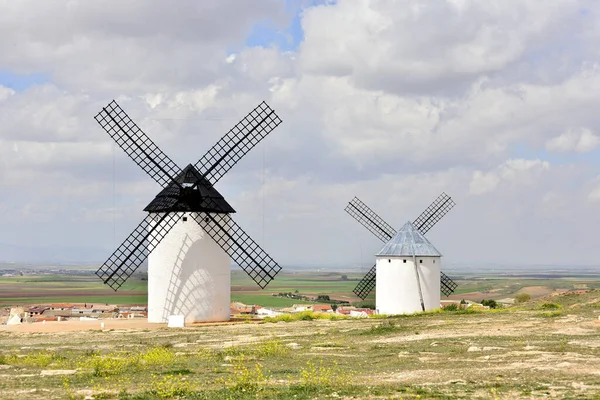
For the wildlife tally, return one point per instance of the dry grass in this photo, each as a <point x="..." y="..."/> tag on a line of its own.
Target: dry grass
<point x="544" y="349"/>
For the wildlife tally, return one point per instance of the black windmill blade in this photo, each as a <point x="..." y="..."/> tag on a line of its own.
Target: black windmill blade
<point x="447" y="285"/>
<point x="370" y="220"/>
<point x="428" y="218"/>
<point x="377" y="226"/>
<point x="135" y="249"/>
<point x="137" y="144"/>
<point x="132" y="253"/>
<point x="237" y="142"/>
<point x="434" y="213"/>
<point x="240" y="247"/>
<point x="366" y="284"/>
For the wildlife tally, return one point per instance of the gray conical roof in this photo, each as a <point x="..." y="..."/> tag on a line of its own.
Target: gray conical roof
<point x="408" y="242"/>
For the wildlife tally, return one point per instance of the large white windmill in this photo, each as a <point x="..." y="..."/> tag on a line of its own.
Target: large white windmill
<point x="406" y="276"/>
<point x="188" y="231"/>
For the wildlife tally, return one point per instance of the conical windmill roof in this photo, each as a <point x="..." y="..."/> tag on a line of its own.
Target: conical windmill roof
<point x="408" y="242"/>
<point x="208" y="199"/>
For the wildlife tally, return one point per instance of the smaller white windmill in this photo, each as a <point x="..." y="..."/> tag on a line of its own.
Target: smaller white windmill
<point x="408" y="274"/>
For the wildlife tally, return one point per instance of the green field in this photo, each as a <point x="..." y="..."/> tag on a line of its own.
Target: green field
<point x="44" y="289"/>
<point x="41" y="289"/>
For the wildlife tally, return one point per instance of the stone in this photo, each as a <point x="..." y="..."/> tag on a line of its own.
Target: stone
<point x="54" y="372"/>
<point x="176" y="321"/>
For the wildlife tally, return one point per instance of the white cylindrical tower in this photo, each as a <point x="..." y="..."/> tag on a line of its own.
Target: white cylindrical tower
<point x="397" y="289"/>
<point x="407" y="268"/>
<point x="189" y="275"/>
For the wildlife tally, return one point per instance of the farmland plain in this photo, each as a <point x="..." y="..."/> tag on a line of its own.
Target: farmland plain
<point x="32" y="289"/>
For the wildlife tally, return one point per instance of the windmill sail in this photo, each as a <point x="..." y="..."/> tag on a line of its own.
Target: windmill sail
<point x="244" y="251"/>
<point x="237" y="142"/>
<point x="132" y="253"/>
<point x="136" y="144"/>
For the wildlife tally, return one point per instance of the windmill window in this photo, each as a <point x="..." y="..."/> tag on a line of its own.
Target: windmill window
<point x="420" y="261"/>
<point x="184" y="219"/>
<point x="404" y="261"/>
<point x="434" y="261"/>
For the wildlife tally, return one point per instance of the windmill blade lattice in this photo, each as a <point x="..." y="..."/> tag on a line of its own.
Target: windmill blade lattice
<point x="237" y="142"/>
<point x="434" y="213"/>
<point x="132" y="253"/>
<point x="244" y="251"/>
<point x="370" y="220"/>
<point x="137" y="144"/>
<point x="447" y="285"/>
<point x="366" y="284"/>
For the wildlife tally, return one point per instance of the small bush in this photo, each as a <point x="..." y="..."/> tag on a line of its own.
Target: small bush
<point x="550" y="306"/>
<point x="271" y="348"/>
<point x="550" y="314"/>
<point x="384" y="327"/>
<point x="158" y="356"/>
<point x="37" y="360"/>
<point x="245" y="379"/>
<point x="321" y="376"/>
<point x="170" y="386"/>
<point x="111" y="364"/>
<point x="522" y="298"/>
<point x="451" y="307"/>
<point x="489" y="303"/>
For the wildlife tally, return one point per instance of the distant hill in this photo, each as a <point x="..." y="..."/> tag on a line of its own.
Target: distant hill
<point x="10" y="253"/>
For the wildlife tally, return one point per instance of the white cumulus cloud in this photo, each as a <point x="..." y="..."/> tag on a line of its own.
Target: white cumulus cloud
<point x="580" y="140"/>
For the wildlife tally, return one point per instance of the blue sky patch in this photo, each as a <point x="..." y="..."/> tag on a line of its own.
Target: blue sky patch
<point x="20" y="82"/>
<point x="267" y="34"/>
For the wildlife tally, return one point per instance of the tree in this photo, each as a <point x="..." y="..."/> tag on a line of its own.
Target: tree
<point x="522" y="298"/>
<point x="463" y="301"/>
<point x="334" y="307"/>
<point x="323" y="297"/>
<point x="489" y="302"/>
<point x="344" y="277"/>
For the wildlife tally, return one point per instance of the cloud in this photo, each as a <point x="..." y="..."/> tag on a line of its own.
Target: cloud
<point x="134" y="46"/>
<point x="580" y="140"/>
<point x="434" y="47"/>
<point x="517" y="171"/>
<point x="391" y="104"/>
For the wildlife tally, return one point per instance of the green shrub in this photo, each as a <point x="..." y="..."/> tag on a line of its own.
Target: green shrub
<point x="489" y="303"/>
<point x="245" y="379"/>
<point x="170" y="386"/>
<point x="271" y="348"/>
<point x="550" y="314"/>
<point x="384" y="327"/>
<point x="451" y="307"/>
<point x="522" y="298"/>
<point x="550" y="306"/>
<point x="158" y="356"/>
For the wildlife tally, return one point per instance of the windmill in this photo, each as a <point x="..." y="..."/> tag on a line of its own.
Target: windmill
<point x="188" y="235"/>
<point x="405" y="245"/>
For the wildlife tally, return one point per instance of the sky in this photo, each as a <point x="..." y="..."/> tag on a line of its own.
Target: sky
<point x="394" y="101"/>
